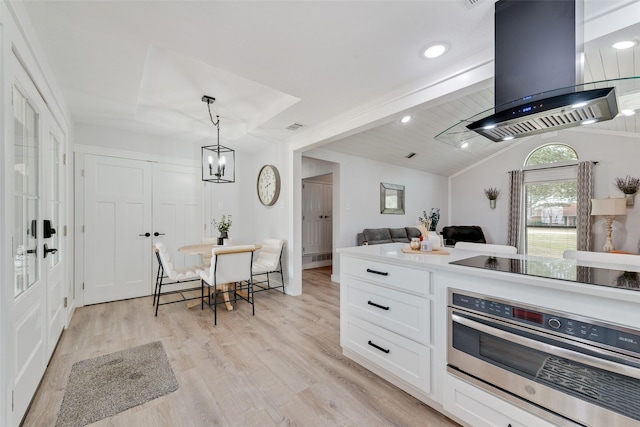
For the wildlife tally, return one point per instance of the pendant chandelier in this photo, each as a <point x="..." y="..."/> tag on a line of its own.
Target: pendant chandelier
<point x="218" y="161"/>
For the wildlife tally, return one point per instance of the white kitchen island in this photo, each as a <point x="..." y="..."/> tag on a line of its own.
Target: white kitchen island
<point x="393" y="309"/>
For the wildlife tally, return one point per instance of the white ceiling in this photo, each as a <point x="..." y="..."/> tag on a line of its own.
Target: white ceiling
<point x="144" y="66"/>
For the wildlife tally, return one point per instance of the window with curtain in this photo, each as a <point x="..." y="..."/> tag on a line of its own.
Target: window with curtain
<point x="550" y="190"/>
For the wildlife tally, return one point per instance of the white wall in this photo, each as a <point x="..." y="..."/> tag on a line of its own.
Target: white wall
<point x="617" y="156"/>
<point x="357" y="196"/>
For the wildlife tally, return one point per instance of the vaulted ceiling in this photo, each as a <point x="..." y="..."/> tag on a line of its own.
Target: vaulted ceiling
<point x="143" y="66"/>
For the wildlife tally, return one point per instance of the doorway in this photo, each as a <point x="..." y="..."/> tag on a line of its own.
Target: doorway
<point x="317" y="221"/>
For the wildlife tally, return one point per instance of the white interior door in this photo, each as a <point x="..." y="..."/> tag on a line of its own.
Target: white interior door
<point x="177" y="210"/>
<point x="327" y="218"/>
<point x="118" y="251"/>
<point x="312" y="218"/>
<point x="54" y="252"/>
<point x="29" y="339"/>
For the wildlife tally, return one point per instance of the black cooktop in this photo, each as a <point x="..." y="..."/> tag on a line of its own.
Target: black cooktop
<point x="561" y="269"/>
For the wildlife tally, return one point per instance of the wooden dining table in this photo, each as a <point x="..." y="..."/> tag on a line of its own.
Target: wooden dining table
<point x="205" y="249"/>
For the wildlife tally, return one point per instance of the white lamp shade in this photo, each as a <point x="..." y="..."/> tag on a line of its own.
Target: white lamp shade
<point x="609" y="207"/>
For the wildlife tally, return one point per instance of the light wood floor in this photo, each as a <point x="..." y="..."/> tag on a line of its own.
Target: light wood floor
<point x="282" y="367"/>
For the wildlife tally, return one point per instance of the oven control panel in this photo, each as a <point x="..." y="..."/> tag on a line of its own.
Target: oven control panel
<point x="580" y="327"/>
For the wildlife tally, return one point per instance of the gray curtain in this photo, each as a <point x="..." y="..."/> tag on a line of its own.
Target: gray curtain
<point x="583" y="214"/>
<point x="516" y="179"/>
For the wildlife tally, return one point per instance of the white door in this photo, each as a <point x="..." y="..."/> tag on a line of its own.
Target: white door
<point x="29" y="339"/>
<point x="312" y="218"/>
<point x="177" y="210"/>
<point x="327" y="218"/>
<point x="117" y="229"/>
<point x="54" y="252"/>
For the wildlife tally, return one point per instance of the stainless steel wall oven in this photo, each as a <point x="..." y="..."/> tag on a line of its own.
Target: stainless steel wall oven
<point x="570" y="369"/>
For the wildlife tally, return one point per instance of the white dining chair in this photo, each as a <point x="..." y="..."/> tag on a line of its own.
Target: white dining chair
<point x="269" y="262"/>
<point x="168" y="274"/>
<point x="487" y="248"/>
<point x="229" y="273"/>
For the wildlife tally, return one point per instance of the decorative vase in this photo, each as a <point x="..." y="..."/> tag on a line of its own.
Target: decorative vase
<point x="434" y="238"/>
<point x="492" y="203"/>
<point x="223" y="235"/>
<point x="631" y="197"/>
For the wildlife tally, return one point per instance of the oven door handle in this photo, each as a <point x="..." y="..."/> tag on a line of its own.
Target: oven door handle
<point x="575" y="356"/>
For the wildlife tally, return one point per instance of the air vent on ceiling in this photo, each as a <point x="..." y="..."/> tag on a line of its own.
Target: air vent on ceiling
<point x="294" y="126"/>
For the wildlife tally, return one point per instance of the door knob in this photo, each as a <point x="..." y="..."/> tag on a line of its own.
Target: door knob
<point x="47" y="250"/>
<point x="158" y="234"/>
<point x="144" y="235"/>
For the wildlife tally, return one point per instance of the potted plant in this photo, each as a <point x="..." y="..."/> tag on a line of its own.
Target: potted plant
<point x="223" y="227"/>
<point x="492" y="194"/>
<point x="629" y="186"/>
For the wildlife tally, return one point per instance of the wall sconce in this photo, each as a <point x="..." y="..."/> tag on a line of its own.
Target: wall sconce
<point x="608" y="208"/>
<point x="218" y="161"/>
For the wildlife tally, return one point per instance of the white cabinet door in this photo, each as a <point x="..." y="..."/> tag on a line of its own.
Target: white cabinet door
<point x="118" y="254"/>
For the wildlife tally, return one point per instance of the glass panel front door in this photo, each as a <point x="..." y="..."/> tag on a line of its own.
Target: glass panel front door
<point x="26" y="194"/>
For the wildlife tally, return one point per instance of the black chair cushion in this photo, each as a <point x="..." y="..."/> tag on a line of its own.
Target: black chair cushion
<point x="462" y="233"/>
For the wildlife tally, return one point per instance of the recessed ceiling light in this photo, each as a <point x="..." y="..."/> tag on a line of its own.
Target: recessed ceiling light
<point x="624" y="44"/>
<point x="579" y="105"/>
<point x="628" y="112"/>
<point x="507" y="138"/>
<point x="464" y="145"/>
<point x="588" y="122"/>
<point x="405" y="119"/>
<point x="434" y="50"/>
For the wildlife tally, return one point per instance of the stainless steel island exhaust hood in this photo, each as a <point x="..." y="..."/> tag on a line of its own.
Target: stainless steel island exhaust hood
<point x="539" y="72"/>
<point x="554" y="113"/>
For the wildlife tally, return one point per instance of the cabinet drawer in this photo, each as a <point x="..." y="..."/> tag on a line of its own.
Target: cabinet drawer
<point x="482" y="409"/>
<point x="399" y="356"/>
<point x="406" y="314"/>
<point x="409" y="279"/>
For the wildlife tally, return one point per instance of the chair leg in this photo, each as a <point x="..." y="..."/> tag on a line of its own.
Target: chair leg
<point x="201" y="294"/>
<point x="282" y="277"/>
<point x="158" y="301"/>
<point x="215" y="307"/>
<point x="251" y="297"/>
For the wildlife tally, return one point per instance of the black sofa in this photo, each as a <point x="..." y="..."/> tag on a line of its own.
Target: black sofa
<point x="462" y="233"/>
<point x="378" y="236"/>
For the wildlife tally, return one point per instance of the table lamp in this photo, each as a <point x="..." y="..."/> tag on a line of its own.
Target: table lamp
<point x="608" y="208"/>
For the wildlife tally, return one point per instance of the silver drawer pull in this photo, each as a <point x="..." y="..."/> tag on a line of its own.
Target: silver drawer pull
<point x="384" y="350"/>
<point x="382" y="273"/>
<point x="377" y="305"/>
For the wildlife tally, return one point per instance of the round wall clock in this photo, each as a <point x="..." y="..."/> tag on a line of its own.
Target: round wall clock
<point x="268" y="185"/>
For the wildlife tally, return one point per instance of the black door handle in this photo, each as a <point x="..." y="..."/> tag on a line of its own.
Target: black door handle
<point x="33" y="251"/>
<point x="144" y="235"/>
<point x="47" y="250"/>
<point x="158" y="234"/>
